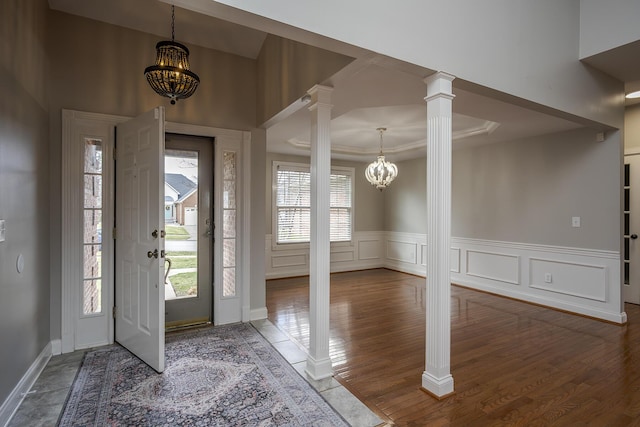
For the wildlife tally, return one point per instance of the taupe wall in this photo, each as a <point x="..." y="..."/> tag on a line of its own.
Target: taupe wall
<point x="368" y="202"/>
<point x="288" y="69"/>
<point x="523" y="191"/>
<point x="632" y="127"/>
<point x="24" y="178"/>
<point x="99" y="67"/>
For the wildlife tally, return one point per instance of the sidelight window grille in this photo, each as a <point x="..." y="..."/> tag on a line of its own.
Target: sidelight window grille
<point x="92" y="232"/>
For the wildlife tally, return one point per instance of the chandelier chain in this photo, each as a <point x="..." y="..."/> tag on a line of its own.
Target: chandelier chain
<point x="173" y="23"/>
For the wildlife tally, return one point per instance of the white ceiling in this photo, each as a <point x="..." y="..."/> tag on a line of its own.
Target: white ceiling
<point x="371" y="92"/>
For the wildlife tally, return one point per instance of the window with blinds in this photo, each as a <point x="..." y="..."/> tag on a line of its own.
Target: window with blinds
<point x="292" y="203"/>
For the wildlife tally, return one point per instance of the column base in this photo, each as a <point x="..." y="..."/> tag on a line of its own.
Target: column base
<point x="439" y="388"/>
<point x="319" y="369"/>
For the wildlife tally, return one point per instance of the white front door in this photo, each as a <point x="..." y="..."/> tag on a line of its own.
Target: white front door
<point x="139" y="289"/>
<point x="631" y="282"/>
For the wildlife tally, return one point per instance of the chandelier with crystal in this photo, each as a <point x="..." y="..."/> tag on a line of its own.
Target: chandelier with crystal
<point x="381" y="172"/>
<point x="171" y="76"/>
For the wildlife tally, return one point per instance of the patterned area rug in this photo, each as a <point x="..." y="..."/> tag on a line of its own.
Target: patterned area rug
<point x="220" y="376"/>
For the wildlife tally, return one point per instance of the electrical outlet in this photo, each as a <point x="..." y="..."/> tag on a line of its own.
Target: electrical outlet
<point x="575" y="221"/>
<point x="548" y="278"/>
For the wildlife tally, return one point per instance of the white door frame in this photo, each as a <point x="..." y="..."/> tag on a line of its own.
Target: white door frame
<point x="78" y="123"/>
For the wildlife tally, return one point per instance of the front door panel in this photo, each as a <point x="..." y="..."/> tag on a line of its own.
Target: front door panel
<point x="139" y="290"/>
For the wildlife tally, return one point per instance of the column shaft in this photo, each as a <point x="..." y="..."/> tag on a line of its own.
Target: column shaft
<point x="437" y="379"/>
<point x="318" y="361"/>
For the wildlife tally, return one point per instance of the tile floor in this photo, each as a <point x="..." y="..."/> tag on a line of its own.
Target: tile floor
<point x="43" y="404"/>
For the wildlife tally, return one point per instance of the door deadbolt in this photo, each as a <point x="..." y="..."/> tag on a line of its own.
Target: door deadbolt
<point x="153" y="254"/>
<point x="154" y="233"/>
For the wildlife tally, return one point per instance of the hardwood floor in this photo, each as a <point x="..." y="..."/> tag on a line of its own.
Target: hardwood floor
<point x="513" y="363"/>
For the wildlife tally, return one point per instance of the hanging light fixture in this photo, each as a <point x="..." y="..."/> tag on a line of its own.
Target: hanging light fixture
<point x="381" y="172"/>
<point x="171" y="76"/>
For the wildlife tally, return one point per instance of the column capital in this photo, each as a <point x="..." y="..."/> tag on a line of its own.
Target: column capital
<point x="439" y="86"/>
<point x="320" y="94"/>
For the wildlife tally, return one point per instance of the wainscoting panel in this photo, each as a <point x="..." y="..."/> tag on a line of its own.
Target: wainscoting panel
<point x="494" y="266"/>
<point x="455" y="260"/>
<point x="370" y="249"/>
<point x="582" y="281"/>
<point x="401" y="251"/>
<point x="363" y="252"/>
<point x="579" y="280"/>
<point x="293" y="260"/>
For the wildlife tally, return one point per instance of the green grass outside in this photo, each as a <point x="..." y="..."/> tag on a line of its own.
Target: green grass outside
<point x="180" y="253"/>
<point x="183" y="262"/>
<point x="185" y="284"/>
<point x="176" y="232"/>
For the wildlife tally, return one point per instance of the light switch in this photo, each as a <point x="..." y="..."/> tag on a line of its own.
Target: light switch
<point x="2" y="230"/>
<point x="575" y="221"/>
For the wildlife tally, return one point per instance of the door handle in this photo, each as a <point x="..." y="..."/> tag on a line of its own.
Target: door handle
<point x="153" y="254"/>
<point x="634" y="236"/>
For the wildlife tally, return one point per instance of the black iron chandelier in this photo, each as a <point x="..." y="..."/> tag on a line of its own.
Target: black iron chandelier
<point x="171" y="76"/>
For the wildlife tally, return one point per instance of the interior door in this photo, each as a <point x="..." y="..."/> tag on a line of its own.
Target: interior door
<point x="139" y="290"/>
<point x="631" y="283"/>
<point x="188" y="217"/>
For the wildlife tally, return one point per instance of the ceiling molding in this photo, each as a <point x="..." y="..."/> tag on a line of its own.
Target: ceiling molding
<point x="485" y="128"/>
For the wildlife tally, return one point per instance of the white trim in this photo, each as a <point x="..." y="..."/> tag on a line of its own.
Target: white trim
<point x="75" y="326"/>
<point x="246" y="275"/>
<point x="305" y="167"/>
<point x="71" y="268"/>
<point x="17" y="395"/>
<point x="631" y="151"/>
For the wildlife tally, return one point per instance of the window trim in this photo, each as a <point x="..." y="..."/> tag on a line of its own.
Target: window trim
<point x="335" y="170"/>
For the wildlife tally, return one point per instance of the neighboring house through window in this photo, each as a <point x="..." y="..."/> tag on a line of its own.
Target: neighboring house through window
<point x="292" y="202"/>
<point x="181" y="195"/>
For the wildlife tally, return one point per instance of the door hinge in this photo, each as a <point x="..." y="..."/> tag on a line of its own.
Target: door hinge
<point x="114" y="311"/>
<point x="114" y="233"/>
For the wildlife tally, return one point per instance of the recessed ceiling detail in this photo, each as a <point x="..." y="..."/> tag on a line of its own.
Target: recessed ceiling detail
<point x="406" y="126"/>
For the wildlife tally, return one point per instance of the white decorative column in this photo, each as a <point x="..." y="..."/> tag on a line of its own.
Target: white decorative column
<point x="437" y="379"/>
<point x="318" y="361"/>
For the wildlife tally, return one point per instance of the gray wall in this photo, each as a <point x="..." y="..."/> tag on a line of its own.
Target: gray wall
<point x="406" y="200"/>
<point x="368" y="202"/>
<point x="98" y="67"/>
<point x="523" y="191"/>
<point x="607" y="24"/>
<point x="24" y="179"/>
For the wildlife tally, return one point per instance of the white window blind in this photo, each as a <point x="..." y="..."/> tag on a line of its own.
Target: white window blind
<point x="293" y="203"/>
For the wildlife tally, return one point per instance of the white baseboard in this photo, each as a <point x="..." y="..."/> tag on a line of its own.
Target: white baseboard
<point x="56" y="347"/>
<point x="259" y="313"/>
<point x="15" y="398"/>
